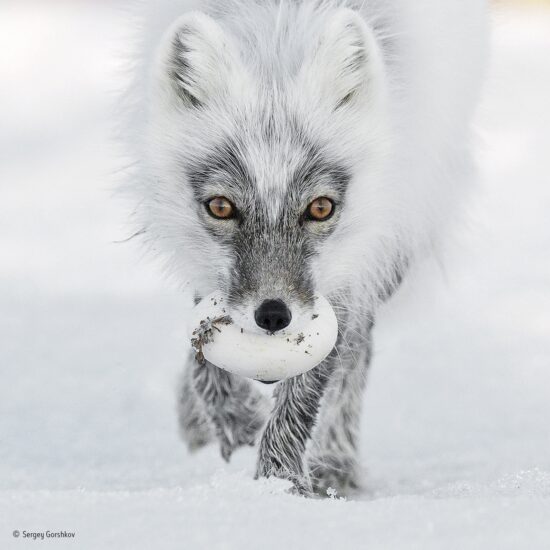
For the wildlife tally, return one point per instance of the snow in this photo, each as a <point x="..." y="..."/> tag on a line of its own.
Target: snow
<point x="456" y="443"/>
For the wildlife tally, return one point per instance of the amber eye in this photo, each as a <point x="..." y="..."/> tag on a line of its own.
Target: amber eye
<point x="221" y="208"/>
<point x="320" y="209"/>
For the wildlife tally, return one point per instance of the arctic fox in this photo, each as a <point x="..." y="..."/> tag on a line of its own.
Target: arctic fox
<point x="295" y="147"/>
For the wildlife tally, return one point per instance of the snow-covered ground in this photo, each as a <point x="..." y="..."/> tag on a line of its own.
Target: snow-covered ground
<point x="456" y="439"/>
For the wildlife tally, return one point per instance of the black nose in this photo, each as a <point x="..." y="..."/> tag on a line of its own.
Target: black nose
<point x="273" y="315"/>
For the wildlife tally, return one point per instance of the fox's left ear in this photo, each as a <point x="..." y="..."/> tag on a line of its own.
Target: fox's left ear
<point x="345" y="67"/>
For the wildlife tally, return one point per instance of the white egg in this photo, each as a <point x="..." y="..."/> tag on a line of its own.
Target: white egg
<point x="258" y="354"/>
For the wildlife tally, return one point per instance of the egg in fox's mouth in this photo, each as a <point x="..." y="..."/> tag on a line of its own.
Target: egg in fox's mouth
<point x="266" y="356"/>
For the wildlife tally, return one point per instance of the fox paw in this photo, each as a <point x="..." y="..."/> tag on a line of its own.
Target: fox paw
<point x="233" y="433"/>
<point x="331" y="476"/>
<point x="289" y="467"/>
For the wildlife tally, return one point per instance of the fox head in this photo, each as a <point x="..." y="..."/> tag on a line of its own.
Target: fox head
<point x="264" y="133"/>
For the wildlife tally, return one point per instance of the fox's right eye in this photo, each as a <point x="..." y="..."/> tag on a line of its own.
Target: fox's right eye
<point x="220" y="208"/>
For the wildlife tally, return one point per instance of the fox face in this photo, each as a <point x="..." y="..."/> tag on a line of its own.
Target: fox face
<point x="255" y="153"/>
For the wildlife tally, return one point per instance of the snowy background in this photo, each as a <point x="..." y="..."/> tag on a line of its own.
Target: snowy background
<point x="456" y="439"/>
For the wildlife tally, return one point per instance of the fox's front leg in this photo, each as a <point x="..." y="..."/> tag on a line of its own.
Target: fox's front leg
<point x="233" y="408"/>
<point x="283" y="443"/>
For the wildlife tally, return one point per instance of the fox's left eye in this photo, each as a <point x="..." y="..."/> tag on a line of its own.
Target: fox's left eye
<point x="320" y="209"/>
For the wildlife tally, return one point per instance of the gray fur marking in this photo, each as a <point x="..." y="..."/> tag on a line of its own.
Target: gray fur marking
<point x="217" y="403"/>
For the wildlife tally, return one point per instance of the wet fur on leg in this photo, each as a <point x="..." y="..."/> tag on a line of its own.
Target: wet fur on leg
<point x="284" y="441"/>
<point x="196" y="428"/>
<point x="311" y="437"/>
<point x="221" y="406"/>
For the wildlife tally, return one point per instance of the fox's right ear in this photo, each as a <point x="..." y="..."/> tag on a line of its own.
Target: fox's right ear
<point x="197" y="60"/>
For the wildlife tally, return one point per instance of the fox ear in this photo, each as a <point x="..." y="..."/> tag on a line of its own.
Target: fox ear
<point x="346" y="65"/>
<point x="198" y="60"/>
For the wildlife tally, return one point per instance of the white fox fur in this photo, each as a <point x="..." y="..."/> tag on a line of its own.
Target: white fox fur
<point x="434" y="53"/>
<point x="385" y="88"/>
